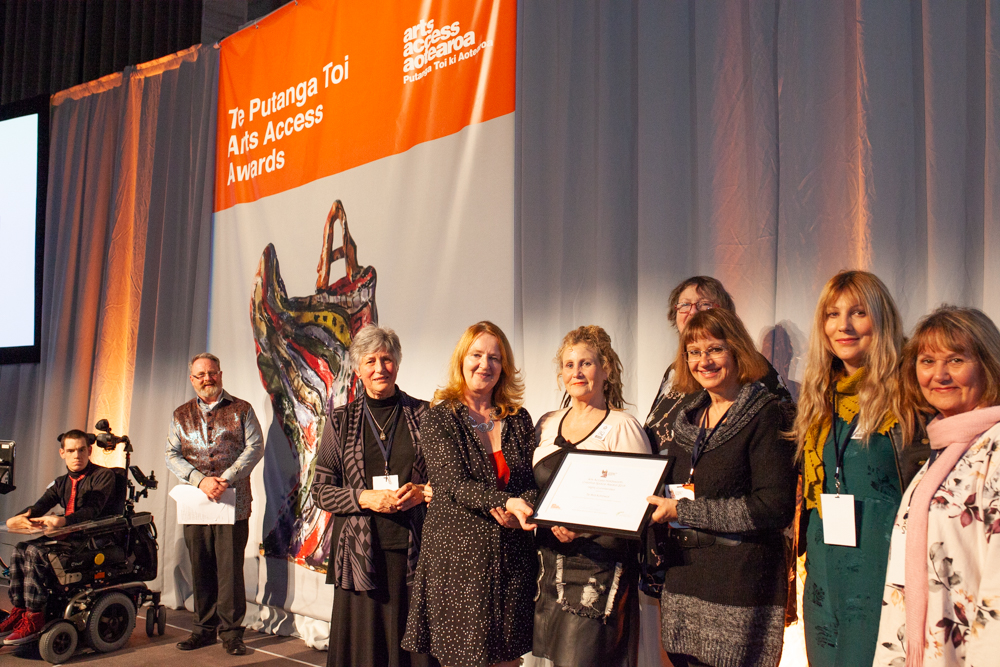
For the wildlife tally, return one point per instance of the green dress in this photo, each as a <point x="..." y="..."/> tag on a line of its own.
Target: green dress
<point x="842" y="597"/>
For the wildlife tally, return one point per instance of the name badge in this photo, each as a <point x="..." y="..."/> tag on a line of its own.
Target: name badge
<point x="602" y="432"/>
<point x="895" y="574"/>
<point x="680" y="492"/>
<point x="839" y="527"/>
<point x="857" y="435"/>
<point x="385" y="483"/>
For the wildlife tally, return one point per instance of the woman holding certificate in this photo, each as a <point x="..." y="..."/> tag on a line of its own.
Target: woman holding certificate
<point x="370" y="474"/>
<point x="940" y="606"/>
<point x="732" y="486"/>
<point x="587" y="611"/>
<point x="474" y="590"/>
<point x="855" y="471"/>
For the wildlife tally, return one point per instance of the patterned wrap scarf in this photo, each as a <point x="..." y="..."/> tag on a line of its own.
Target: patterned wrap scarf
<point x="953" y="437"/>
<point x="848" y="407"/>
<point x="354" y="555"/>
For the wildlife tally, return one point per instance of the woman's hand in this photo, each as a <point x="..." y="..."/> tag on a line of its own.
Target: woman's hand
<point x="409" y="495"/>
<point x="522" y="510"/>
<point x="378" y="501"/>
<point x="505" y="518"/>
<point x="428" y="492"/>
<point x="666" y="508"/>
<point x="564" y="534"/>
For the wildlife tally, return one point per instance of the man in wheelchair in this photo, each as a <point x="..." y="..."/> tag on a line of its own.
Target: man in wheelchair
<point x="87" y="491"/>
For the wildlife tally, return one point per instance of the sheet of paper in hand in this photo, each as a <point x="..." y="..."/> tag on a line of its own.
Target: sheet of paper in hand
<point x="194" y="507"/>
<point x="602" y="492"/>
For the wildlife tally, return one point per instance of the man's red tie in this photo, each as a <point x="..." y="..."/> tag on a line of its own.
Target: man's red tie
<point x="71" y="503"/>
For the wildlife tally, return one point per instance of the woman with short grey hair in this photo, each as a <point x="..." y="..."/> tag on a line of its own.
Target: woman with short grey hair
<point x="370" y="474"/>
<point x="372" y="339"/>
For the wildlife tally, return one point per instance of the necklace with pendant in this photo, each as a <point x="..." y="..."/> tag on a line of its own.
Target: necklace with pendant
<point x="381" y="427"/>
<point x="485" y="427"/>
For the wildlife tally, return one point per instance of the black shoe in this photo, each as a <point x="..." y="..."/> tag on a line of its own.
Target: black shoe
<point x="234" y="646"/>
<point x="196" y="640"/>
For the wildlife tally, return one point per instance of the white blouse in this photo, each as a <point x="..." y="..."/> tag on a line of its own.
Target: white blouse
<point x="618" y="432"/>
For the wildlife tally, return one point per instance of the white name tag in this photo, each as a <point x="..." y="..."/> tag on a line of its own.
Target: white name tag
<point x="680" y="492"/>
<point x="385" y="482"/>
<point x="895" y="574"/>
<point x="602" y="432"/>
<point x="857" y="435"/>
<point x="838" y="520"/>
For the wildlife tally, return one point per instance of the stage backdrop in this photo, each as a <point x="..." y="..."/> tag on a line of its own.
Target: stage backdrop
<point x="365" y="172"/>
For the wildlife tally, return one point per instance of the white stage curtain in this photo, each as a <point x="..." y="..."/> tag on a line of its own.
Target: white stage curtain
<point x="769" y="144"/>
<point x="127" y="250"/>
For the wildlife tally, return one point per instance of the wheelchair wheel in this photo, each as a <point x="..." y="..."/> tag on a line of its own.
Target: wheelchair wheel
<point x="111" y="622"/>
<point x="58" y="643"/>
<point x="150" y="621"/>
<point x="161" y="620"/>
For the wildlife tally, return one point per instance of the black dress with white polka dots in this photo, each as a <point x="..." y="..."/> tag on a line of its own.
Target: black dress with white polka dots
<point x="473" y="594"/>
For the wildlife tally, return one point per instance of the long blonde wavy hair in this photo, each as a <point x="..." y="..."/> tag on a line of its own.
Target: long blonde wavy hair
<point x="879" y="392"/>
<point x="508" y="394"/>
<point x="598" y="340"/>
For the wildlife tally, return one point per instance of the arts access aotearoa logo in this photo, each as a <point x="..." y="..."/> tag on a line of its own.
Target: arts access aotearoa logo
<point x="302" y="357"/>
<point x="426" y="48"/>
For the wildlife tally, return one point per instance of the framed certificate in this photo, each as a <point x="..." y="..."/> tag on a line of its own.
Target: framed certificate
<point x="602" y="492"/>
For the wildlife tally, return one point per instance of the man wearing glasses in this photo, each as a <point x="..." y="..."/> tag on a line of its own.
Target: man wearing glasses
<point x="214" y="443"/>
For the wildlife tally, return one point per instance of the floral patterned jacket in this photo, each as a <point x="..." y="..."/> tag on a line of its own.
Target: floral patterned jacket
<point x="963" y="554"/>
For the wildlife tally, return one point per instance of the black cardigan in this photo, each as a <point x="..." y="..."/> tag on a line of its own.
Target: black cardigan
<point x="745" y="486"/>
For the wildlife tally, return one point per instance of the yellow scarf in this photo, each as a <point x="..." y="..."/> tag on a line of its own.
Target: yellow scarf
<point x="816" y="437"/>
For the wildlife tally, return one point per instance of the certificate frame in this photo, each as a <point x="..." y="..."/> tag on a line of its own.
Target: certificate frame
<point x="565" y="480"/>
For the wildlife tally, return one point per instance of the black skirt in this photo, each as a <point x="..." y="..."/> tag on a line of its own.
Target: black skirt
<point x="367" y="627"/>
<point x="587" y="611"/>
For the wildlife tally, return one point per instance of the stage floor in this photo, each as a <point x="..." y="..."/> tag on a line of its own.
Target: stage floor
<point x="141" y="650"/>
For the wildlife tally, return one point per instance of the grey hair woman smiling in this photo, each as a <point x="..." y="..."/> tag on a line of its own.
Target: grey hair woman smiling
<point x="370" y="474"/>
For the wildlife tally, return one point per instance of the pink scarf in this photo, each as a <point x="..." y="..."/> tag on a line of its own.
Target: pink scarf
<point x="955" y="435"/>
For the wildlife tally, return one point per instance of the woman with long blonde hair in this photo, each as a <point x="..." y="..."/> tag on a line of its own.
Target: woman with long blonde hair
<point x="851" y="440"/>
<point x="474" y="587"/>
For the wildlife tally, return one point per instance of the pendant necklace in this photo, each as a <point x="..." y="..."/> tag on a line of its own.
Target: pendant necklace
<point x="485" y="427"/>
<point x="381" y="427"/>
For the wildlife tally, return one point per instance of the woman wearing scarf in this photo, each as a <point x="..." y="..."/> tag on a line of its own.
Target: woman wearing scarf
<point x="370" y="474"/>
<point x="941" y="602"/>
<point x="855" y="465"/>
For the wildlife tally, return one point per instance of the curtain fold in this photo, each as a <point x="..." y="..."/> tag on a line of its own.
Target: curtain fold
<point x="769" y="144"/>
<point x="51" y="45"/>
<point x="125" y="292"/>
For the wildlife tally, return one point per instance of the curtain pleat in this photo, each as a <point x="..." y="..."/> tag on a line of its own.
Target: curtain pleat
<point x="51" y="45"/>
<point x="125" y="295"/>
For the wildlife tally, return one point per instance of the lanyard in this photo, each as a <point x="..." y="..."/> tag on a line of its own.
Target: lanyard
<point x="839" y="448"/>
<point x="701" y="440"/>
<point x="386" y="447"/>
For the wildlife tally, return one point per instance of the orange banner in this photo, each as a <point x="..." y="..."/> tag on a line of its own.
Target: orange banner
<point x="320" y="87"/>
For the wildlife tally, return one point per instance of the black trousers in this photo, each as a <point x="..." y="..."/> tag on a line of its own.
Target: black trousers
<point x="220" y="601"/>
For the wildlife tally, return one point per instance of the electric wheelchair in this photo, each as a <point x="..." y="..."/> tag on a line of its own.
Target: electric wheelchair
<point x="99" y="569"/>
